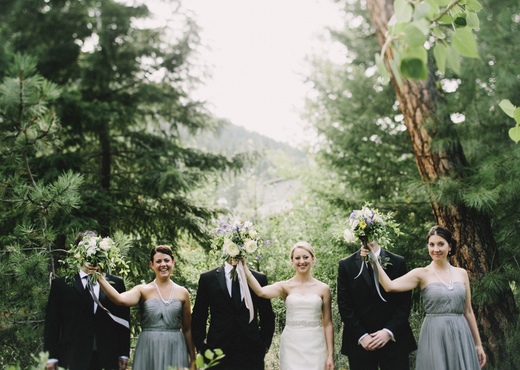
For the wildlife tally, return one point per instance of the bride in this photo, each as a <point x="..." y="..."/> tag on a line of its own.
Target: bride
<point x="307" y="341"/>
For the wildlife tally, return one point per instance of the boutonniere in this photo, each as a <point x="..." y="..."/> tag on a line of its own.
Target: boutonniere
<point x="384" y="261"/>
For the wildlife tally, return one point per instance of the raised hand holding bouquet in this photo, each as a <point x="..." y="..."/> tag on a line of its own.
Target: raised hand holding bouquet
<point x="236" y="240"/>
<point x="368" y="224"/>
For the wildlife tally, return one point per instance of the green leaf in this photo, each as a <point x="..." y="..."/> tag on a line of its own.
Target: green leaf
<point x="414" y="37"/>
<point x="440" y="55"/>
<point x="199" y="361"/>
<point x="514" y="134"/>
<point x="421" y="11"/>
<point x="507" y="107"/>
<point x="381" y="67"/>
<point x="516" y="115"/>
<point x="464" y="42"/>
<point x="433" y="8"/>
<point x="473" y="21"/>
<point x="403" y="11"/>
<point x="473" y="5"/>
<point x="442" y="2"/>
<point x="446" y="19"/>
<point x="396" y="73"/>
<point x="209" y="354"/>
<point x="453" y="59"/>
<point x="414" y="64"/>
<point x="460" y="21"/>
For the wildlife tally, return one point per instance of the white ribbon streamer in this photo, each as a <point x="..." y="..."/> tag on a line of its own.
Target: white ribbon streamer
<point x="245" y="291"/>
<point x="117" y="319"/>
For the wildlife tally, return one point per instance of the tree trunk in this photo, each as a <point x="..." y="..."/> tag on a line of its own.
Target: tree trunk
<point x="477" y="251"/>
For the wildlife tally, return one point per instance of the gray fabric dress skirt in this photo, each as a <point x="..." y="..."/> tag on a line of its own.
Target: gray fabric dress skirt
<point x="161" y="342"/>
<point x="445" y="341"/>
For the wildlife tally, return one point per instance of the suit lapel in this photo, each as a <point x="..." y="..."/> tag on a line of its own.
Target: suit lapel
<point x="221" y="278"/>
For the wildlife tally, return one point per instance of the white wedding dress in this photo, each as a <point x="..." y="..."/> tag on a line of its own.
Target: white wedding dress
<point x="302" y="344"/>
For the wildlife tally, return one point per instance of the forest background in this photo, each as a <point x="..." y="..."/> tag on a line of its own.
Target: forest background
<point x="99" y="131"/>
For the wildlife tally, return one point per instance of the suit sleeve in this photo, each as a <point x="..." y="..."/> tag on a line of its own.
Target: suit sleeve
<point x="403" y="303"/>
<point x="346" y="303"/>
<point x="199" y="316"/>
<point x="53" y="318"/>
<point x="266" y="315"/>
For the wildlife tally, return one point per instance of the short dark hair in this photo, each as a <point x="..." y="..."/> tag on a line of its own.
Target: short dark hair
<point x="445" y="234"/>
<point x="81" y="235"/>
<point x="165" y="249"/>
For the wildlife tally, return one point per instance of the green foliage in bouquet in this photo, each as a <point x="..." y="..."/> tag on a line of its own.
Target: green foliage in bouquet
<point x="94" y="250"/>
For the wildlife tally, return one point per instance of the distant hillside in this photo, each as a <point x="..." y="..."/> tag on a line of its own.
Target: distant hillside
<point x="230" y="139"/>
<point x="266" y="185"/>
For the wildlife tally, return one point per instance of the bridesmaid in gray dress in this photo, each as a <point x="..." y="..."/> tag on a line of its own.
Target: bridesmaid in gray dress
<point x="165" y="311"/>
<point x="449" y="338"/>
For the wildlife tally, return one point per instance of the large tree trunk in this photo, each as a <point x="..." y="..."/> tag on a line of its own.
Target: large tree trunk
<point x="477" y="250"/>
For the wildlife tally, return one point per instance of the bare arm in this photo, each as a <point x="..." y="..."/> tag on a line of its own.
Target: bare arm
<point x="472" y="323"/>
<point x="267" y="291"/>
<point x="128" y="298"/>
<point x="408" y="281"/>
<point x="186" y="327"/>
<point x="328" y="328"/>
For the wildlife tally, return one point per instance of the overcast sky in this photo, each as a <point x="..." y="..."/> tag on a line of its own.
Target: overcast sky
<point x="258" y="59"/>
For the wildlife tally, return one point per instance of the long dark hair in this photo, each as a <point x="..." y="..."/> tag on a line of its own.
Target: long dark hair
<point x="445" y="234"/>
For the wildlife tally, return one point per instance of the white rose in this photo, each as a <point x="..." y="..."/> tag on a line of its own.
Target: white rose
<point x="349" y="236"/>
<point x="250" y="246"/>
<point x="104" y="244"/>
<point x="252" y="233"/>
<point x="230" y="248"/>
<point x="91" y="250"/>
<point x="247" y="224"/>
<point x="353" y="223"/>
<point x="92" y="242"/>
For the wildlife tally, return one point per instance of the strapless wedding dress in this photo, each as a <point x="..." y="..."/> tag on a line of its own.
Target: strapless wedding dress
<point x="302" y="343"/>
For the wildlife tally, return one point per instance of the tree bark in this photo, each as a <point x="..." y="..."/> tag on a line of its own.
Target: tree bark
<point x="477" y="251"/>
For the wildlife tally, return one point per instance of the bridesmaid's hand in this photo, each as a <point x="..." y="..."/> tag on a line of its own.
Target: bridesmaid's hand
<point x="481" y="356"/>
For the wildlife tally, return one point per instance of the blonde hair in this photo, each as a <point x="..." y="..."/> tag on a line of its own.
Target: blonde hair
<point x="303" y="245"/>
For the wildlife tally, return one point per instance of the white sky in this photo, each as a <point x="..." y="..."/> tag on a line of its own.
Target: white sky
<point x="256" y="52"/>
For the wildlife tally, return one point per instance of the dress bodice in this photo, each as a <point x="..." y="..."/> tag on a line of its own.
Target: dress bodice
<point x="157" y="315"/>
<point x="303" y="310"/>
<point x="438" y="299"/>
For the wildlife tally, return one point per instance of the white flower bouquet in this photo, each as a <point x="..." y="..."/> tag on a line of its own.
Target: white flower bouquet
<point x="93" y="250"/>
<point x="367" y="224"/>
<point x="237" y="239"/>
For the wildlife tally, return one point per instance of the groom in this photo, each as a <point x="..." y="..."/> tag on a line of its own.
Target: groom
<point x="376" y="334"/>
<point x="244" y="343"/>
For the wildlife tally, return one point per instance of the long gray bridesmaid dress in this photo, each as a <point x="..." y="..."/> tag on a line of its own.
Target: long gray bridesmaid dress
<point x="161" y="342"/>
<point x="445" y="341"/>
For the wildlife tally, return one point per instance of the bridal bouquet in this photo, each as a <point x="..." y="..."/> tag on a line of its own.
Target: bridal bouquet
<point x="237" y="239"/>
<point x="95" y="251"/>
<point x="367" y="224"/>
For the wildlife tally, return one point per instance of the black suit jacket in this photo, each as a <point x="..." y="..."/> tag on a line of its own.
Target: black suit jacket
<point x="243" y="343"/>
<point x="71" y="325"/>
<point x="362" y="310"/>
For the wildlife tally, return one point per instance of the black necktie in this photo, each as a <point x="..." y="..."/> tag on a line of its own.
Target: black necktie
<point x="235" y="291"/>
<point x="88" y="294"/>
